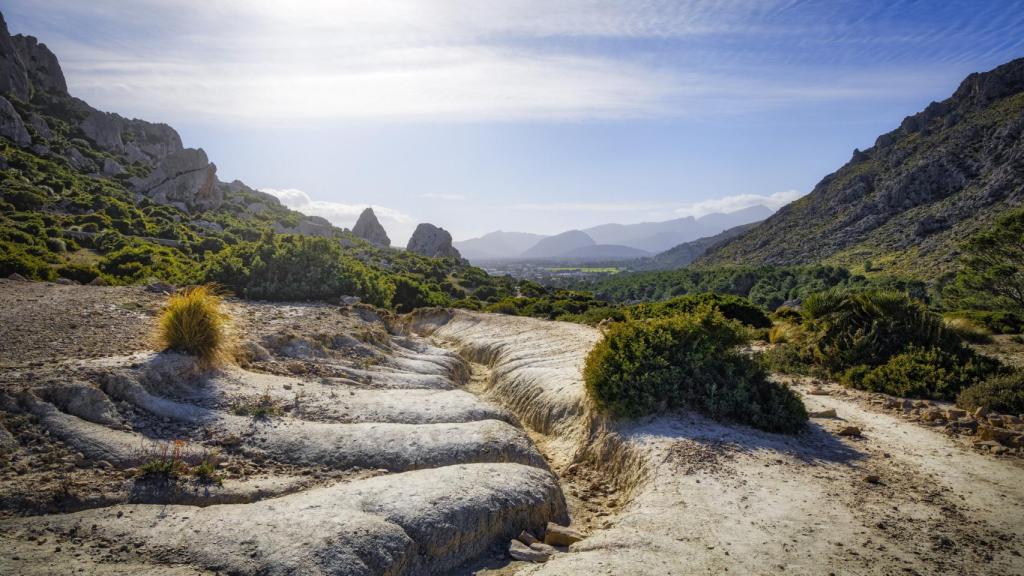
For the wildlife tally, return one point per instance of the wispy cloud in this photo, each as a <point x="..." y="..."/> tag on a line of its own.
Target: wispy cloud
<point x="336" y="213"/>
<point x="441" y="196"/>
<point x="266" y="61"/>
<point x="729" y="204"/>
<point x="666" y="210"/>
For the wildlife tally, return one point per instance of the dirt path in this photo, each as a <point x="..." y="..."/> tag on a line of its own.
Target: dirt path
<point x="901" y="499"/>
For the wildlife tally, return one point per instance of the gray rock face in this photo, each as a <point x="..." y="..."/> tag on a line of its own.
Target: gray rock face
<point x="186" y="178"/>
<point x="368" y="228"/>
<point x="308" y="226"/>
<point x="44" y="73"/>
<point x="11" y="126"/>
<point x="13" y="75"/>
<point x="141" y="141"/>
<point x="40" y="126"/>
<point x="429" y="240"/>
<point x="105" y="129"/>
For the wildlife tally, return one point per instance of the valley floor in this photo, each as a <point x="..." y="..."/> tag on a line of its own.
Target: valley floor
<point x="422" y="445"/>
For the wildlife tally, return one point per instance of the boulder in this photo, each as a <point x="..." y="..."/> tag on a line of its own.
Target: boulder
<point x="830" y="413"/>
<point x="105" y="130"/>
<point x="40" y="125"/>
<point x="111" y="167"/>
<point x="519" y="551"/>
<point x="17" y="277"/>
<point x="851" y="431"/>
<point x="185" y="178"/>
<point x="11" y="126"/>
<point x="557" y="535"/>
<point x="545" y="548"/>
<point x="954" y="413"/>
<point x="369" y="228"/>
<point x="308" y="226"/>
<point x="429" y="240"/>
<point x="527" y="538"/>
<point x="78" y="160"/>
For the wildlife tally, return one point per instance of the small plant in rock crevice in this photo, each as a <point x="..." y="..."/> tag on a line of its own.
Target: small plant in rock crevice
<point x="262" y="407"/>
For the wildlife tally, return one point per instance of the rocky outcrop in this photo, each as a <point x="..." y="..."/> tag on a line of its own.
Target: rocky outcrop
<point x="139" y="140"/>
<point x="11" y="126"/>
<point x="368" y="228"/>
<point x="185" y="179"/>
<point x="915" y="196"/>
<point x="308" y="226"/>
<point x="13" y="75"/>
<point x="41" y="65"/>
<point x="429" y="240"/>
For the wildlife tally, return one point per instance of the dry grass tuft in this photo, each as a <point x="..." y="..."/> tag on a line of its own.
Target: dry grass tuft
<point x="193" y="322"/>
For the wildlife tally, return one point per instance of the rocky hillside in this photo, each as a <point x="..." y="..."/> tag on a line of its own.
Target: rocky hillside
<point x="906" y="203"/>
<point x="88" y="196"/>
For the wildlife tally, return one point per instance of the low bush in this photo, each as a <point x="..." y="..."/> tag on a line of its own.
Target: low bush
<point x="1003" y="393"/>
<point x="732" y="307"/>
<point x="687" y="361"/>
<point x="882" y="341"/>
<point x="922" y="373"/>
<point x="193" y="322"/>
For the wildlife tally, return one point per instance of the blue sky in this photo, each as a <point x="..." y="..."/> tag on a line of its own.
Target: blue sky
<point x="531" y="115"/>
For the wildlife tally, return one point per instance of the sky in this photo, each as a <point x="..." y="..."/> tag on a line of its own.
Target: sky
<point x="527" y="115"/>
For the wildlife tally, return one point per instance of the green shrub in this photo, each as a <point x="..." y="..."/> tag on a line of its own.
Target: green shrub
<point x="410" y="294"/>
<point x="687" y="361"/>
<point x="290" y="267"/>
<point x="869" y="327"/>
<point x="922" y="373"/>
<point x="1003" y="393"/>
<point x="732" y="307"/>
<point x="193" y="322"/>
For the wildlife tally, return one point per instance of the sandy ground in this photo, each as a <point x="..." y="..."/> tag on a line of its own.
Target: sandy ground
<point x="901" y="499"/>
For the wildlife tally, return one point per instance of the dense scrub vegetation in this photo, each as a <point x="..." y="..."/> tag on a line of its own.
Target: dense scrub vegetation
<point x="1002" y="393"/>
<point x="732" y="307"/>
<point x="58" y="222"/>
<point x="688" y="360"/>
<point x="769" y="287"/>
<point x="882" y="341"/>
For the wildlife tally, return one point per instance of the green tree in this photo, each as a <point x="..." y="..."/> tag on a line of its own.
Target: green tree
<point x="992" y="267"/>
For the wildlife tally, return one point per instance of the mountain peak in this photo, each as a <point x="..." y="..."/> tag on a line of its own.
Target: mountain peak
<point x="369" y="228"/>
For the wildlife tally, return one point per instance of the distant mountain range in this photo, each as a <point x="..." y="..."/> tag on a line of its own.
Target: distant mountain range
<point x="607" y="241"/>
<point x="905" y="204"/>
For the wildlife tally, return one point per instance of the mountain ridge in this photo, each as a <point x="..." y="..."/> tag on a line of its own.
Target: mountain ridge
<point x="905" y="204"/>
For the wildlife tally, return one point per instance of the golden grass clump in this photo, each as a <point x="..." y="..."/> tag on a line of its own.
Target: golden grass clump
<point x="968" y="330"/>
<point x="193" y="322"/>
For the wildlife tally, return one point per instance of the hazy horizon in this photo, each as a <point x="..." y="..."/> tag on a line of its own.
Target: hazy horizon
<point x="522" y="116"/>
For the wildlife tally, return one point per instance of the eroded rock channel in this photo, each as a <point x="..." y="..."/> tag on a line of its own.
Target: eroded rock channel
<point x="349" y="443"/>
<point x="339" y="448"/>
